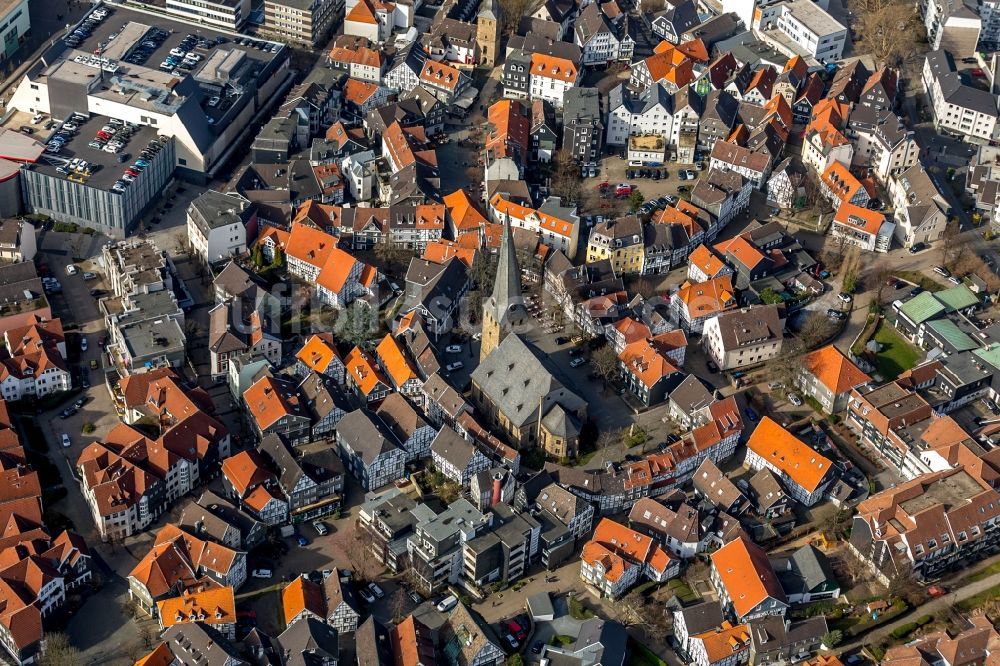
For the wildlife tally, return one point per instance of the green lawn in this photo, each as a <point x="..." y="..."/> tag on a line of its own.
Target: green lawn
<point x="923" y="281"/>
<point x="985" y="572"/>
<point x="977" y="600"/>
<point x="640" y="655"/>
<point x="897" y="354"/>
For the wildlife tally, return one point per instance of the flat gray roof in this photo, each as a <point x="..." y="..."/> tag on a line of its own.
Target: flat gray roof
<point x="813" y="17"/>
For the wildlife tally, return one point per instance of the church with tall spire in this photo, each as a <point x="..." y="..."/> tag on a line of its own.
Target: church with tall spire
<point x="504" y="310"/>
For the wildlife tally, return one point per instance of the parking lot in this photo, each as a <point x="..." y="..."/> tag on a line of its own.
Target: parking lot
<point x="615" y="169"/>
<point x="80" y="315"/>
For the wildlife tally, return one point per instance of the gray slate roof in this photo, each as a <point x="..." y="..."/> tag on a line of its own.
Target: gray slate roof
<point x="517" y="377"/>
<point x="366" y="435"/>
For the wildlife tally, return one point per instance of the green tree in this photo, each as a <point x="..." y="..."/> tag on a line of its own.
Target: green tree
<point x="257" y="256"/>
<point x="833" y="638"/>
<point x="278" y="260"/>
<point x="770" y="296"/>
<point x="850" y="282"/>
<point x="357" y="324"/>
<point x="635" y="200"/>
<point x="515" y="660"/>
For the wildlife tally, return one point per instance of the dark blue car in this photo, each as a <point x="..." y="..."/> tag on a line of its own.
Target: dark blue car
<point x="302" y="541"/>
<point x="751" y="414"/>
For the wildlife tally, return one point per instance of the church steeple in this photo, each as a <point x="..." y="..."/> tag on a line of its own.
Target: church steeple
<point x="504" y="309"/>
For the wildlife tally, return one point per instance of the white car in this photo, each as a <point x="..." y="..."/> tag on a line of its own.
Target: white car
<point x="452" y="367"/>
<point x="71" y="269"/>
<point x="794" y="399"/>
<point x="83" y="344"/>
<point x="261" y="573"/>
<point x="844" y="297"/>
<point x="577" y="362"/>
<point x="320" y="528"/>
<point x="447" y="604"/>
<point x="178" y="52"/>
<point x="65" y="440"/>
<point x="453" y="349"/>
<point x="89" y="276"/>
<point x="376" y="590"/>
<point x="37" y="118"/>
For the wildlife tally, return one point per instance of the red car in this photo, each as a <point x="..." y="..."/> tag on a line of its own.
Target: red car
<point x="936" y="591"/>
<point x="603" y="186"/>
<point x="516" y="630"/>
<point x="103" y="135"/>
<point x="132" y="172"/>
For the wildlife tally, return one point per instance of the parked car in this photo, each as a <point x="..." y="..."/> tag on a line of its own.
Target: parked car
<point x="446" y="604"/>
<point x="836" y="314"/>
<point x="415" y="598"/>
<point x="712" y="367"/>
<point x="262" y="573"/>
<point x="561" y="340"/>
<point x="794" y="399"/>
<point x="536" y="647"/>
<point x="751" y="414"/>
<point x="941" y="270"/>
<point x="68" y="412"/>
<point x="453" y="349"/>
<point x="320" y="528"/>
<point x="65" y="441"/>
<point x="844" y="296"/>
<point x="452" y="367"/>
<point x="577" y="362"/>
<point x="376" y="590"/>
<point x="83" y="343"/>
<point x="511" y="641"/>
<point x="301" y="540"/>
<point x="89" y="276"/>
<point x="774" y="386"/>
<point x="366" y="595"/>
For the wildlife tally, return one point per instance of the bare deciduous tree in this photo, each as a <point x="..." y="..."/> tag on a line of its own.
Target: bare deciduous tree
<point x="565" y="176"/>
<point x="606" y="439"/>
<point x="605" y="363"/>
<point x="359" y="554"/>
<point x="59" y="651"/>
<point x="888" y="30"/>
<point x="815" y="330"/>
<point x="511" y="12"/>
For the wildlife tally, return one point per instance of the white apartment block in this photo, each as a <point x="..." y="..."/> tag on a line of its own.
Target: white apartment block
<point x="651" y="113"/>
<point x="959" y="108"/>
<point x="227" y="14"/>
<point x="807" y="27"/>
